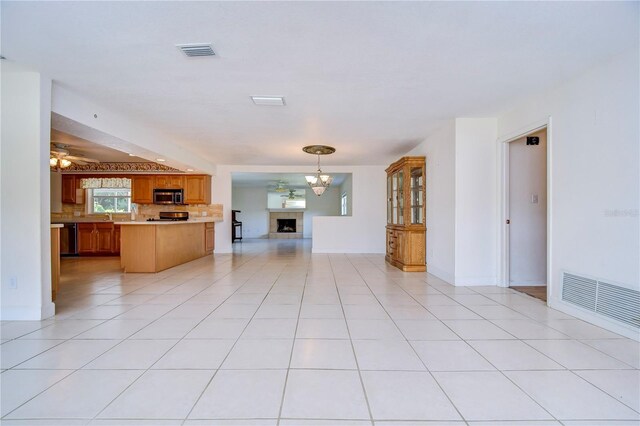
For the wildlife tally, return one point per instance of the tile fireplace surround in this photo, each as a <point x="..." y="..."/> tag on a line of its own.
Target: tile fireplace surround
<point x="276" y="214"/>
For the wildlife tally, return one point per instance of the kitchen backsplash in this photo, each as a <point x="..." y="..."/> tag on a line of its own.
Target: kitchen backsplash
<point x="145" y="211"/>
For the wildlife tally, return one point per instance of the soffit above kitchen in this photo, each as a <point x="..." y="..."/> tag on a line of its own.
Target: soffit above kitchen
<point x="84" y="148"/>
<point x="372" y="79"/>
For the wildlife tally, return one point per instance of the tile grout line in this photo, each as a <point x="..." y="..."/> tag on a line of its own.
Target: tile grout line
<point x="353" y="349"/>
<point x="293" y="345"/>
<point x="407" y="341"/>
<point x="99" y="355"/>
<point x="236" y="341"/>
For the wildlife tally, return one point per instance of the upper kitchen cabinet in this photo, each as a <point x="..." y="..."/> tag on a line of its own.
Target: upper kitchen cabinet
<point x="69" y="186"/>
<point x="169" y="182"/>
<point x="197" y="189"/>
<point x="142" y="189"/>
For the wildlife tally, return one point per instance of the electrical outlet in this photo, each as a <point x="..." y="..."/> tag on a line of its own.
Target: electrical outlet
<point x="534" y="198"/>
<point x="76" y="214"/>
<point x="13" y="282"/>
<point x="204" y="213"/>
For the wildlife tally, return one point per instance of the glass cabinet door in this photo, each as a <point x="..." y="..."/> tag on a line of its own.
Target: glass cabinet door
<point x="389" y="199"/>
<point x="394" y="198"/>
<point x="417" y="195"/>
<point x="400" y="198"/>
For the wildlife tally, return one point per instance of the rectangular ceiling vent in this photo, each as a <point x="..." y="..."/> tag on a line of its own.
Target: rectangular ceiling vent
<point x="609" y="300"/>
<point x="268" y="100"/>
<point x="196" y="49"/>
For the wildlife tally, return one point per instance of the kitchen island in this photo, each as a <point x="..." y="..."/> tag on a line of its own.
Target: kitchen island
<point x="156" y="246"/>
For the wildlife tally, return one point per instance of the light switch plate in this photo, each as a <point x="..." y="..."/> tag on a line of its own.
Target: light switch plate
<point x="534" y="199"/>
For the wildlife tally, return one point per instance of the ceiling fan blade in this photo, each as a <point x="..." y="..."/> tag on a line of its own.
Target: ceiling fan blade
<point x="79" y="162"/>
<point x="84" y="159"/>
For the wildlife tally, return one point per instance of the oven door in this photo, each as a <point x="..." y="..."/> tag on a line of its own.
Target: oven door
<point x="163" y="197"/>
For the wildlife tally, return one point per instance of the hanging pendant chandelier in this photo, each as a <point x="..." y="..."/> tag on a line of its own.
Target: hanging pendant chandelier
<point x="320" y="181"/>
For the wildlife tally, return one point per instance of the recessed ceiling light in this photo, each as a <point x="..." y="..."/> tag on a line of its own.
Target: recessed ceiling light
<point x="160" y="160"/>
<point x="268" y="100"/>
<point x="132" y="155"/>
<point x="189" y="170"/>
<point x="196" y="49"/>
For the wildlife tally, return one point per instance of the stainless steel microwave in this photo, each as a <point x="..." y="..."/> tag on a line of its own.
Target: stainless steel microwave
<point x="168" y="196"/>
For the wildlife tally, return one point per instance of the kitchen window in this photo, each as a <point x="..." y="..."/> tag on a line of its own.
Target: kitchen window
<point x="108" y="200"/>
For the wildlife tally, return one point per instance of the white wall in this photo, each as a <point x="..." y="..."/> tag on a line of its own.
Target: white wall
<point x="254" y="217"/>
<point x="476" y="201"/>
<point x="595" y="172"/>
<point x="364" y="232"/>
<point x="328" y="204"/>
<point x="439" y="149"/>
<point x="24" y="184"/>
<point x="528" y="227"/>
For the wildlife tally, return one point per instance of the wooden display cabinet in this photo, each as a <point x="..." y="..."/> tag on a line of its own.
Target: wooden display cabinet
<point x="406" y="212"/>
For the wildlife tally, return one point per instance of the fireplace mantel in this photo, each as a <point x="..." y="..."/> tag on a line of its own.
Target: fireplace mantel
<point x="286" y="210"/>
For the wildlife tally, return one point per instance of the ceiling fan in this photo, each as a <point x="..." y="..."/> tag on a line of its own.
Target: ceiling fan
<point x="60" y="157"/>
<point x="280" y="186"/>
<point x="292" y="195"/>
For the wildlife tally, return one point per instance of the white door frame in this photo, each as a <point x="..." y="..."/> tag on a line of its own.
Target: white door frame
<point x="503" y="208"/>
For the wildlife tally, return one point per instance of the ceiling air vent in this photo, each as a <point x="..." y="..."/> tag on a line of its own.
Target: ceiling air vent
<point x="196" y="49"/>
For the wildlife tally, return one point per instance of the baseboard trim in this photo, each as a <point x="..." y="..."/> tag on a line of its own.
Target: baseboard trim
<point x="440" y="273"/>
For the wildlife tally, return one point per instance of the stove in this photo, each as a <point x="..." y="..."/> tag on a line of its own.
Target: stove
<point x="170" y="217"/>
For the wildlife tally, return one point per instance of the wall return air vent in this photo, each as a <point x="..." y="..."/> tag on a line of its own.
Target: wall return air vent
<point x="611" y="301"/>
<point x="196" y="49"/>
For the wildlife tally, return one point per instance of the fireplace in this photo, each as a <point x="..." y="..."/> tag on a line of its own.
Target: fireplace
<point x="286" y="225"/>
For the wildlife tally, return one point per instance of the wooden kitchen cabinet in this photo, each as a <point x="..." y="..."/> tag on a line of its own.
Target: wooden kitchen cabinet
<point x="142" y="189"/>
<point x="116" y="239"/>
<point x="86" y="238"/>
<point x="169" y="182"/>
<point x="100" y="238"/>
<point x="55" y="262"/>
<point x="209" y="237"/>
<point x="197" y="189"/>
<point x="406" y="211"/>
<point x="69" y="186"/>
<point x="104" y="238"/>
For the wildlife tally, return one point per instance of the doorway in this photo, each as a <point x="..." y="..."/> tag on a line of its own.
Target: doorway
<point x="527" y="214"/>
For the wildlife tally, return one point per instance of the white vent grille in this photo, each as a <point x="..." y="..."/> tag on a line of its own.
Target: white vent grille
<point x="615" y="302"/>
<point x="580" y="291"/>
<point x="195" y="50"/>
<point x="619" y="303"/>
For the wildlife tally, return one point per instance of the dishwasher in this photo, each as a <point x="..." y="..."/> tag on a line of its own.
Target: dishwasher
<point x="69" y="240"/>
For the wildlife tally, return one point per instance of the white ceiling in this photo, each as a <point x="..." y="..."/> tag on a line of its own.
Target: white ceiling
<point x="372" y="79"/>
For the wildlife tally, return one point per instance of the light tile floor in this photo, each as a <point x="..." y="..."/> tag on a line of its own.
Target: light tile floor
<point x="273" y="335"/>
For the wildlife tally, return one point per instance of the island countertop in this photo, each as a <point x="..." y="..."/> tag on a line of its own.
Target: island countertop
<point x="168" y="222"/>
<point x="159" y="245"/>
